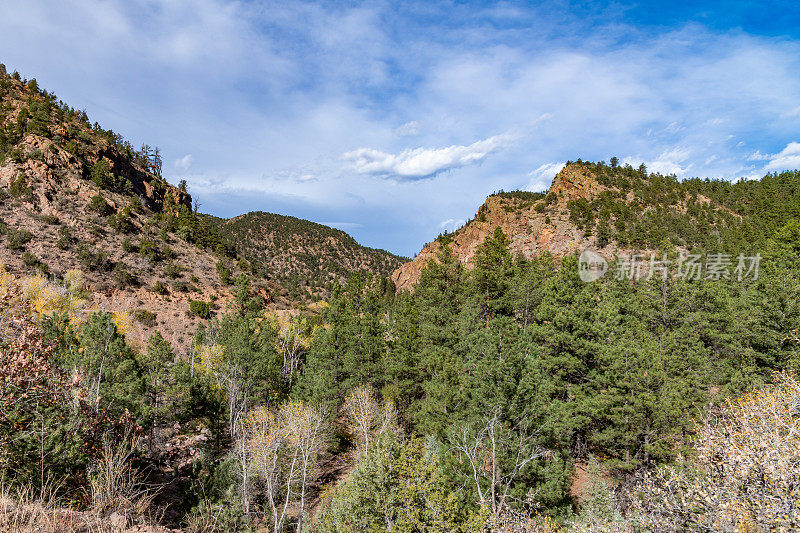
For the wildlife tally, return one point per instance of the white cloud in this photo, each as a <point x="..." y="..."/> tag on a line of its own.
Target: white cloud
<point x="408" y="129"/>
<point x="672" y="161"/>
<point x="542" y="177"/>
<point x="452" y="224"/>
<point x="786" y="159"/>
<point x="183" y="164"/>
<point x="541" y="118"/>
<point x="344" y="226"/>
<point x="271" y="94"/>
<point x="421" y="163"/>
<point x="758" y="156"/>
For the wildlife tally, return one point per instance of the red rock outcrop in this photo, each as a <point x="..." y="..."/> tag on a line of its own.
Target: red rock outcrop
<point x="532" y="227"/>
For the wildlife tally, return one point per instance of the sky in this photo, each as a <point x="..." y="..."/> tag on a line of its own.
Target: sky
<point x="394" y="120"/>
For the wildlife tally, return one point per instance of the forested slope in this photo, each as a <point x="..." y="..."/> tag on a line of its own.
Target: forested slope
<point x="306" y="257"/>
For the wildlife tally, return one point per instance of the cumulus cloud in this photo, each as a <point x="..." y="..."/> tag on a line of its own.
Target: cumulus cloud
<point x="183" y="164"/>
<point x="419" y="163"/>
<point x="671" y="161"/>
<point x="788" y="158"/>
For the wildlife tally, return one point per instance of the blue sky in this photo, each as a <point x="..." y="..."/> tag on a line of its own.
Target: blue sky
<point x="393" y="121"/>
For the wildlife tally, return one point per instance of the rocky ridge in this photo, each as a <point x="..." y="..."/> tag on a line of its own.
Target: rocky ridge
<point x="533" y="226"/>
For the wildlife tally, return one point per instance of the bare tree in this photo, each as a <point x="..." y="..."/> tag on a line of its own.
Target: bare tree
<point x="283" y="449"/>
<point x="292" y="340"/>
<point x="482" y="444"/>
<point x="367" y="419"/>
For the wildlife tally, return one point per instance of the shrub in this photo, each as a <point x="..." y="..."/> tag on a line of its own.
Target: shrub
<point x="224" y="273"/>
<point x="19" y="187"/>
<point x="169" y="253"/>
<point x="741" y="477"/>
<point x="200" y="308"/>
<point x="100" y="173"/>
<point x="143" y="316"/>
<point x="50" y="219"/>
<point x="99" y="205"/>
<point x="92" y="260"/>
<point x="180" y="286"/>
<point x="65" y="240"/>
<point x="159" y="288"/>
<point x="128" y="247"/>
<point x="121" y="222"/>
<point x="172" y="270"/>
<point x="30" y="260"/>
<point x="149" y="249"/>
<point x="71" y="146"/>
<point x="123" y="276"/>
<point x="18" y="238"/>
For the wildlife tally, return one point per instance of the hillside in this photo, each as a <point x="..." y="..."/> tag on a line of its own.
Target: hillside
<point x="77" y="197"/>
<point x="303" y="256"/>
<point x="619" y="209"/>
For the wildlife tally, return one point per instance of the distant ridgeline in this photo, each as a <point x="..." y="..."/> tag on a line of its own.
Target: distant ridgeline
<point x="637" y="209"/>
<point x="620" y="209"/>
<point x="303" y="255"/>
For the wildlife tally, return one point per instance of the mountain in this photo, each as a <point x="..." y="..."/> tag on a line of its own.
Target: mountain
<point x="77" y="197"/>
<point x="303" y="256"/>
<point x="618" y="209"/>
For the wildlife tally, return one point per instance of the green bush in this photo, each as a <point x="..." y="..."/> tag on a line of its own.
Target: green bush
<point x="172" y="270"/>
<point x="121" y="222"/>
<point x="19" y="187"/>
<point x="169" y="253"/>
<point x="224" y="273"/>
<point x="92" y="260"/>
<point x="100" y="173"/>
<point x="143" y="316"/>
<point x="160" y="288"/>
<point x="99" y="205"/>
<point x="180" y="286"/>
<point x="200" y="308"/>
<point x="149" y="249"/>
<point x="123" y="276"/>
<point x="18" y="238"/>
<point x="65" y="239"/>
<point x="128" y="247"/>
<point x="50" y="219"/>
<point x="30" y="260"/>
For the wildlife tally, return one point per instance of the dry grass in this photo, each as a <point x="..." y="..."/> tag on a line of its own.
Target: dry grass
<point x="117" y="500"/>
<point x="23" y="511"/>
<point x="114" y="485"/>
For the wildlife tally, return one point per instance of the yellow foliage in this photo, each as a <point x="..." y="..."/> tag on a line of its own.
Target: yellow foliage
<point x="73" y="279"/>
<point x="123" y="321"/>
<point x="209" y="358"/>
<point x="45" y="297"/>
<point x="743" y="475"/>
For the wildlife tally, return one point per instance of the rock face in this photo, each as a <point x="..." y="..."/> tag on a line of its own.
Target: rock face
<point x="533" y="227"/>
